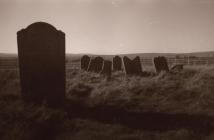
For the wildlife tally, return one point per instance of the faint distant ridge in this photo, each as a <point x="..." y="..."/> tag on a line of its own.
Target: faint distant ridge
<point x="196" y="54"/>
<point x="131" y="55"/>
<point x="201" y="54"/>
<point x="149" y="55"/>
<point x="9" y="55"/>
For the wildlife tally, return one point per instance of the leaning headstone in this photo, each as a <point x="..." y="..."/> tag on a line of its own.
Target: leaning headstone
<point x="96" y="64"/>
<point x="161" y="64"/>
<point x="132" y="67"/>
<point x="85" y="60"/>
<point x="41" y="51"/>
<point x="127" y="65"/>
<point x="107" y="66"/>
<point x="157" y="64"/>
<point x="136" y="64"/>
<point x="117" y="63"/>
<point x="177" y="67"/>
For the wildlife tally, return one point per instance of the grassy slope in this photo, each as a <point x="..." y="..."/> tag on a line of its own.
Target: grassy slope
<point x="189" y="92"/>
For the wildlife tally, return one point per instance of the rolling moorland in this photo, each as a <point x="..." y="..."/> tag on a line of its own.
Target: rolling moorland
<point x="168" y="106"/>
<point x="197" y="54"/>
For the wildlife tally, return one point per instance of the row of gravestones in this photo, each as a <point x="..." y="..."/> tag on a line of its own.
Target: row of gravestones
<point x="98" y="65"/>
<point x="41" y="53"/>
<point x="132" y="67"/>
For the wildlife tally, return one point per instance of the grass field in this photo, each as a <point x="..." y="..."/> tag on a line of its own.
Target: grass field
<point x="168" y="106"/>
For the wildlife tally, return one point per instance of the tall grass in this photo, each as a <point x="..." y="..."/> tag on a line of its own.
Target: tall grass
<point x="190" y="91"/>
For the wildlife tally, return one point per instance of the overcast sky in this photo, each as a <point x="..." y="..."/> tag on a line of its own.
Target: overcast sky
<point x="115" y="26"/>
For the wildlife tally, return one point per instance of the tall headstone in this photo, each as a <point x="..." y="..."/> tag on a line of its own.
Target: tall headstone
<point x="85" y="60"/>
<point x="161" y="64"/>
<point x="132" y="67"/>
<point x="107" y="67"/>
<point x="117" y="63"/>
<point x="96" y="64"/>
<point x="41" y="51"/>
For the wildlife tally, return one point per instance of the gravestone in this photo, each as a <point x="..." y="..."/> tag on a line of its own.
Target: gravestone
<point x="107" y="66"/>
<point x="85" y="60"/>
<point x="41" y="51"/>
<point x="117" y="63"/>
<point x="127" y="65"/>
<point x="96" y="65"/>
<point x="136" y="64"/>
<point x="132" y="67"/>
<point x="161" y="64"/>
<point x="177" y="67"/>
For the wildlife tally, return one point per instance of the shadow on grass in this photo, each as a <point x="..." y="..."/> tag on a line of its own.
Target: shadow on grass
<point x="151" y="121"/>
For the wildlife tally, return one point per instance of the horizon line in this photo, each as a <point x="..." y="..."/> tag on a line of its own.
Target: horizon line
<point x="12" y="53"/>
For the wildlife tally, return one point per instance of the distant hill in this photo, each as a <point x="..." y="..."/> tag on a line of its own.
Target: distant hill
<point x="8" y="55"/>
<point x="149" y="55"/>
<point x="201" y="54"/>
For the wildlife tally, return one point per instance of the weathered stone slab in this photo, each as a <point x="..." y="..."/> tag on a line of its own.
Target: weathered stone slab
<point x="107" y="68"/>
<point x="132" y="67"/>
<point x="177" y="67"/>
<point x="117" y="63"/>
<point x="85" y="60"/>
<point x="96" y="64"/>
<point x="41" y="51"/>
<point x="161" y="64"/>
<point x="136" y="64"/>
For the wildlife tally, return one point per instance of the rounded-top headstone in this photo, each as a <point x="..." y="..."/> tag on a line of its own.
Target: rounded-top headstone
<point x="41" y="50"/>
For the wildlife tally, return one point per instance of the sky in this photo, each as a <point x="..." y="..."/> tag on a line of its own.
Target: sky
<point x="115" y="26"/>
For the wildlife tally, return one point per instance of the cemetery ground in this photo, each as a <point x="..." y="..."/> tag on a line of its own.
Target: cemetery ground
<point x="168" y="106"/>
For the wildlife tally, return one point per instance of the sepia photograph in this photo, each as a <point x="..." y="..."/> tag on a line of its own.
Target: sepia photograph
<point x="106" y="69"/>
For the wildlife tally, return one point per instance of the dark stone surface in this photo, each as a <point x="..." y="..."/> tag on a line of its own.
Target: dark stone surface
<point x="177" y="67"/>
<point x="161" y="64"/>
<point x="85" y="60"/>
<point x="117" y="63"/>
<point x="132" y="67"/>
<point x="127" y="65"/>
<point x="96" y="64"/>
<point x="41" y="51"/>
<point x="107" y="68"/>
<point x="136" y="64"/>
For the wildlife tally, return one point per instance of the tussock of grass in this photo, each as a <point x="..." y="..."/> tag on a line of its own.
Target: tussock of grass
<point x="189" y="91"/>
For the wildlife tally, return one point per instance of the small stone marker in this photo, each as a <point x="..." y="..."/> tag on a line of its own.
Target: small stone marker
<point x="177" y="67"/>
<point x="85" y="60"/>
<point x="137" y="65"/>
<point x="161" y="64"/>
<point x="107" y="66"/>
<point x="41" y="51"/>
<point x="127" y="65"/>
<point x="117" y="63"/>
<point x="132" y="67"/>
<point x="96" y="65"/>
